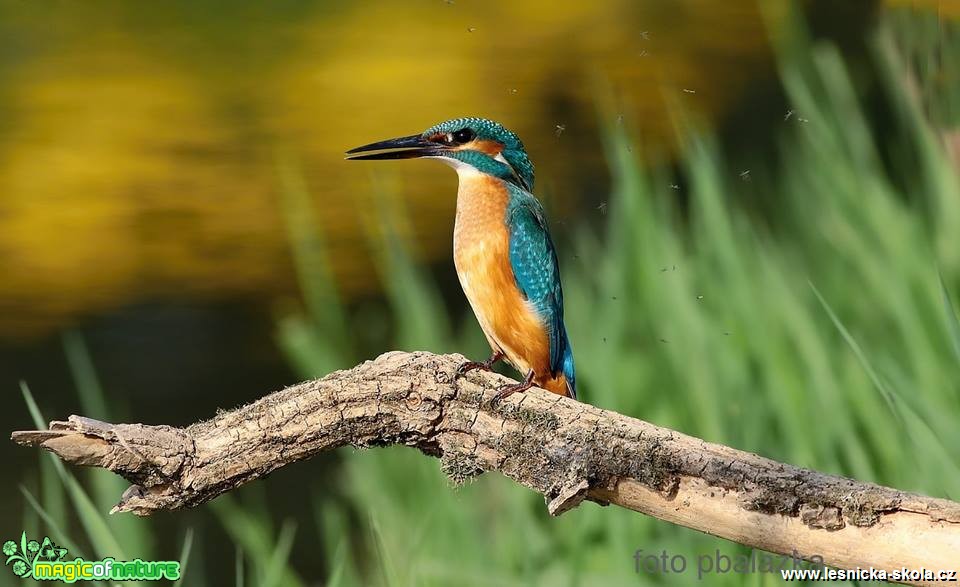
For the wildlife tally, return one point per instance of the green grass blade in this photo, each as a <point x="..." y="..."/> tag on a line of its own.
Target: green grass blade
<point x="338" y="566"/>
<point x="104" y="542"/>
<point x="50" y="485"/>
<point x="238" y="566"/>
<point x="384" y="553"/>
<point x="105" y="487"/>
<point x="279" y="558"/>
<point x="62" y="537"/>
<point x="253" y="536"/>
<point x="878" y="383"/>
<point x="38" y="421"/>
<point x="308" y="248"/>
<point x="953" y="322"/>
<point x="421" y="323"/>
<point x="184" y="557"/>
<point x="51" y="489"/>
<point x="84" y="374"/>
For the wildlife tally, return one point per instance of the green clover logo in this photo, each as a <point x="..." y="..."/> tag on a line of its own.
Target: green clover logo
<point x="21" y="557"/>
<point x="20" y="568"/>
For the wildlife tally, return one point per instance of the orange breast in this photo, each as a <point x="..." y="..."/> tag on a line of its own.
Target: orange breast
<point x="481" y="250"/>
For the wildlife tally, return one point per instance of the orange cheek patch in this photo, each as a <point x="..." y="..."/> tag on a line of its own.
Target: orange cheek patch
<point x="492" y="148"/>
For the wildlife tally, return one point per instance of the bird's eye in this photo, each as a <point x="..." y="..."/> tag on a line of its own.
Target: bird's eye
<point x="464" y="135"/>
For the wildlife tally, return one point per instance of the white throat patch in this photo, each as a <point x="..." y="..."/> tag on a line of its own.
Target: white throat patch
<point x="463" y="169"/>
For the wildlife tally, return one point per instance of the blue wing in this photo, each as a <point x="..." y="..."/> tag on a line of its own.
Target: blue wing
<point x="534" y="263"/>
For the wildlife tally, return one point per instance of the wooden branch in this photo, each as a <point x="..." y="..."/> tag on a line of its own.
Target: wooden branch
<point x="566" y="450"/>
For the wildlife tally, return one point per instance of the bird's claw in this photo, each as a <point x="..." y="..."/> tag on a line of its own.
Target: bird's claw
<point x="481" y="365"/>
<point x="472" y="366"/>
<point x="508" y="390"/>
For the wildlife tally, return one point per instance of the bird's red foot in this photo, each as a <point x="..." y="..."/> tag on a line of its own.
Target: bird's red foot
<point x="482" y="365"/>
<point x="508" y="390"/>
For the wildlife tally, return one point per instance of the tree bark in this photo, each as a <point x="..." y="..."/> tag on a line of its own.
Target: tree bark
<point x="565" y="450"/>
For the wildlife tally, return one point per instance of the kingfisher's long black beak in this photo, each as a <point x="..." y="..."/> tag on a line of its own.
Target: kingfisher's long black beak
<point x="401" y="148"/>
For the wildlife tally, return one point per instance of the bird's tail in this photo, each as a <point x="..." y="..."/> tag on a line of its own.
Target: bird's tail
<point x="565" y="383"/>
<point x="558" y="385"/>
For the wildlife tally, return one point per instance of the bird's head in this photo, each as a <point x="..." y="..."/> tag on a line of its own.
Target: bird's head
<point x="469" y="145"/>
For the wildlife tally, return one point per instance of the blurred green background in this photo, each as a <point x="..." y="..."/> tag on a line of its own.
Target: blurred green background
<point x="756" y="206"/>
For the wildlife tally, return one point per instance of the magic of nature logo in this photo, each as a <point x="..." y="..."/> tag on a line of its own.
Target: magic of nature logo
<point x="43" y="560"/>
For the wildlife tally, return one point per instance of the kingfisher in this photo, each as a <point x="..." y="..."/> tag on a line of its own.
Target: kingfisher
<point x="502" y="250"/>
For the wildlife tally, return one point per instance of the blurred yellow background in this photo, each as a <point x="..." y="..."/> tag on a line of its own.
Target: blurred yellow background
<point x="139" y="155"/>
